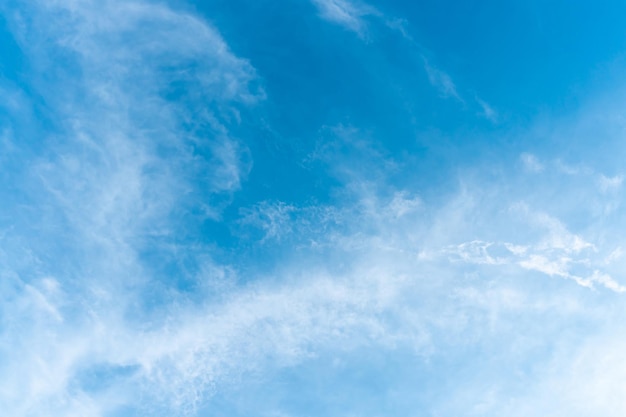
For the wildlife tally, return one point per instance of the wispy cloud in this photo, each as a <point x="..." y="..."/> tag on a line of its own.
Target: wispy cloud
<point x="610" y="183"/>
<point x="520" y="262"/>
<point x="487" y="112"/>
<point x="354" y="15"/>
<point x="140" y="97"/>
<point x="531" y="162"/>
<point x="347" y="13"/>
<point x="441" y="81"/>
<point x="111" y="302"/>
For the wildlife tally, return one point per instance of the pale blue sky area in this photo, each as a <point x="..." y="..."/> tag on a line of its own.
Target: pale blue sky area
<point x="312" y="208"/>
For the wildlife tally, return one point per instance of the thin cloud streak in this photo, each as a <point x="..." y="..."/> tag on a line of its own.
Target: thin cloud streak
<point x="441" y="81"/>
<point x="346" y="13"/>
<point x="353" y="15"/>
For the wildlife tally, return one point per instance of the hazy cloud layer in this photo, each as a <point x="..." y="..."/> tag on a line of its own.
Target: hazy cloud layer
<point x="162" y="254"/>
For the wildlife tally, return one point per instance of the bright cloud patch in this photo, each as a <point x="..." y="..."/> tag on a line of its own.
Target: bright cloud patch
<point x="346" y="13"/>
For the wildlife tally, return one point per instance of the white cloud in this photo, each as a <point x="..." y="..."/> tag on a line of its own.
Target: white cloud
<point x="531" y="162"/>
<point x="141" y="97"/>
<point x="476" y="252"/>
<point x="441" y="81"/>
<point x="113" y="187"/>
<point x="487" y="111"/>
<point x="325" y="225"/>
<point x="610" y="183"/>
<point x="574" y="381"/>
<point x="556" y="253"/>
<point x="346" y="13"/>
<point x="403" y="204"/>
<point x="573" y="170"/>
<point x="353" y="15"/>
<point x="274" y="219"/>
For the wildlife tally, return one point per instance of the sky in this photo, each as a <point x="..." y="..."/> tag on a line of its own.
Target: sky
<point x="306" y="208"/>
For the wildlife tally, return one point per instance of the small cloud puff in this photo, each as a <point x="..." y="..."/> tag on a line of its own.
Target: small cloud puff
<point x="610" y="183"/>
<point x="531" y="163"/>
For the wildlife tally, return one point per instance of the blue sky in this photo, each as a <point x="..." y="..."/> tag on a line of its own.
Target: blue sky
<point x="312" y="208"/>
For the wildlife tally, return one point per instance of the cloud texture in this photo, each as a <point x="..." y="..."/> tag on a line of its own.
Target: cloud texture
<point x="147" y="267"/>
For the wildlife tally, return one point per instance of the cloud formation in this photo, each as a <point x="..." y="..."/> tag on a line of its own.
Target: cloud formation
<point x="139" y="98"/>
<point x="441" y="81"/>
<point x="345" y="13"/>
<point x="145" y="268"/>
